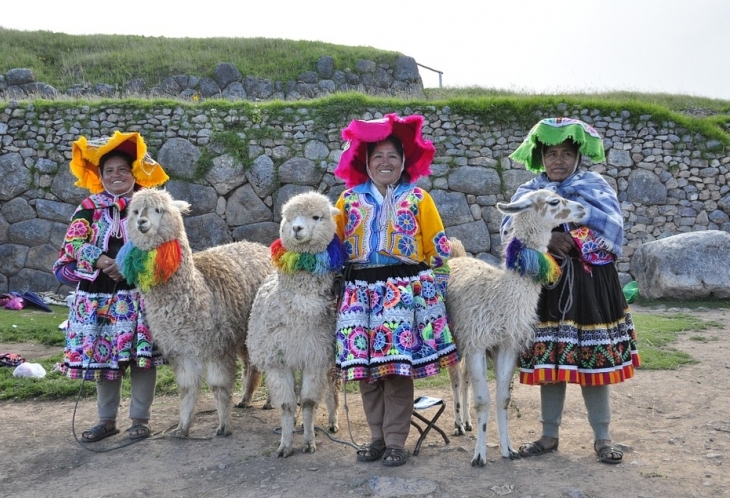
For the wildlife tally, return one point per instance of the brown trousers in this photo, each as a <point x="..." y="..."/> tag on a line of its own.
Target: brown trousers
<point x="388" y="405"/>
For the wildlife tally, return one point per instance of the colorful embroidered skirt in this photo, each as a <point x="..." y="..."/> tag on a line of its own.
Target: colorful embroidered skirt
<point x="106" y="331"/>
<point x="594" y="343"/>
<point x="392" y="321"/>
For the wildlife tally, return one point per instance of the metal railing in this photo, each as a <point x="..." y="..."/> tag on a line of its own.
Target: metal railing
<point x="434" y="70"/>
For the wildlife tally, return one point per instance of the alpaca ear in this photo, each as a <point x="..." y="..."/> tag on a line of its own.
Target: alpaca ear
<point x="334" y="211"/>
<point x="182" y="206"/>
<point x="515" y="207"/>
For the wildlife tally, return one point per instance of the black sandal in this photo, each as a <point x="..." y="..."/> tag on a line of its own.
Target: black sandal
<point x="139" y="431"/>
<point x="374" y="451"/>
<point x="97" y="433"/>
<point x="395" y="457"/>
<point x="536" y="448"/>
<point x="607" y="452"/>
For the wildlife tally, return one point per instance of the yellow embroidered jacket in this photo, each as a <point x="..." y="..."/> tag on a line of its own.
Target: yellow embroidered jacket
<point x="414" y="234"/>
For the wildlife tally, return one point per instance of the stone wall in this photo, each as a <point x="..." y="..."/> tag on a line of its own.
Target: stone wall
<point x="238" y="164"/>
<point x="367" y="77"/>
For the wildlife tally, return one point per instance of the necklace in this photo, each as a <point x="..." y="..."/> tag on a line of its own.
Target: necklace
<point x="330" y="260"/>
<point x="541" y="266"/>
<point x="146" y="269"/>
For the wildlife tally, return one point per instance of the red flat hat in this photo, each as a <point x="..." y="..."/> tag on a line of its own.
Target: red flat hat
<point x="358" y="134"/>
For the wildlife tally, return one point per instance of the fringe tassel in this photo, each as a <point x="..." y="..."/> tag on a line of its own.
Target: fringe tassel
<point x="542" y="267"/>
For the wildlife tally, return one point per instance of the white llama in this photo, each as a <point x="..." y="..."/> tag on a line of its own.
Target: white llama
<point x="493" y="310"/>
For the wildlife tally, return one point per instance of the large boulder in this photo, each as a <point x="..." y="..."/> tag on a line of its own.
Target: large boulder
<point x="687" y="266"/>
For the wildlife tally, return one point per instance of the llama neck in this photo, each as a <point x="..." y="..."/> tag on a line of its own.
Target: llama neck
<point x="147" y="269"/>
<point x="540" y="266"/>
<point x="320" y="263"/>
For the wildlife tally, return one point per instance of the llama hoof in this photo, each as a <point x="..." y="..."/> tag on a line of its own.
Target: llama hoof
<point x="222" y="431"/>
<point x="284" y="451"/>
<point x="243" y="404"/>
<point x="309" y="447"/>
<point x="459" y="430"/>
<point x="479" y="461"/>
<point x="333" y="428"/>
<point x="179" y="433"/>
<point x="468" y="426"/>
<point x="267" y="406"/>
<point x="512" y="454"/>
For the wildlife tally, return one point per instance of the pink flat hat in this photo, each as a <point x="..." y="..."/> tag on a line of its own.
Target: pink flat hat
<point x="358" y="134"/>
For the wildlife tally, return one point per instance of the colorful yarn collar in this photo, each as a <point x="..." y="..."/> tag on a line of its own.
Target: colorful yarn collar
<point x="330" y="260"/>
<point x="146" y="269"/>
<point x="541" y="266"/>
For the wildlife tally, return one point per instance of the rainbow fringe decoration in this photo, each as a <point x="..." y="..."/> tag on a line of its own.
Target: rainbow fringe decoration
<point x="146" y="269"/>
<point x="541" y="266"/>
<point x="330" y="260"/>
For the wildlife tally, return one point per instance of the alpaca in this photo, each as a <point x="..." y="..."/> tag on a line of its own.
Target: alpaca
<point x="292" y="324"/>
<point x="197" y="305"/>
<point x="493" y="310"/>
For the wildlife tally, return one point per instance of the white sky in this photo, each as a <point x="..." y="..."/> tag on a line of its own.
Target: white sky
<point x="532" y="46"/>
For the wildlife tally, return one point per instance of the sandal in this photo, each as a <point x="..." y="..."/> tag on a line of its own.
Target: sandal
<point x="372" y="452"/>
<point x="97" y="433"/>
<point x="138" y="431"/>
<point x="536" y="448"/>
<point x="607" y="452"/>
<point x="395" y="457"/>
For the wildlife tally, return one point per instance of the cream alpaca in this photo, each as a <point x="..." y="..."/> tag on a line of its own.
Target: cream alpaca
<point x="198" y="313"/>
<point x="493" y="311"/>
<point x="292" y="325"/>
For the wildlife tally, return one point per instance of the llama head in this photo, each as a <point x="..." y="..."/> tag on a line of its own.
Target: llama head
<point x="155" y="218"/>
<point x="307" y="224"/>
<point x="537" y="213"/>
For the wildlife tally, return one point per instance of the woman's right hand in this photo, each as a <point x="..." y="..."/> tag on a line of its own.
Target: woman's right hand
<point x="109" y="267"/>
<point x="561" y="243"/>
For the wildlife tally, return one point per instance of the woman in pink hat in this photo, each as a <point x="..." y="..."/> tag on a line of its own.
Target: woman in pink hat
<point x="392" y="325"/>
<point x="106" y="332"/>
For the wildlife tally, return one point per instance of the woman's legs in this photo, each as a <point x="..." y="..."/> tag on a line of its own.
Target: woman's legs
<point x="552" y="400"/>
<point x="108" y="393"/>
<point x="388" y="405"/>
<point x="143" y="383"/>
<point x="596" y="399"/>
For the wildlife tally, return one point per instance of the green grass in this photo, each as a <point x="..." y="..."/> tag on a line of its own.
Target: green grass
<point x="62" y="60"/>
<point x="656" y="335"/>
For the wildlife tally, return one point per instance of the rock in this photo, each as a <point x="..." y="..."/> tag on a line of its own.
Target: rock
<point x="226" y="174"/>
<point x="179" y="157"/>
<point x="202" y="199"/>
<point x="475" y="180"/>
<point x="17" y="209"/>
<point x="245" y="207"/>
<point x="646" y="188"/>
<point x="206" y="231"/>
<point x="692" y="265"/>
<point x="325" y="66"/>
<point x="264" y="233"/>
<point x="300" y="171"/>
<point x="225" y="73"/>
<point x="16" y="177"/>
<point x="452" y="206"/>
<point x="474" y="236"/>
<point x="19" y="76"/>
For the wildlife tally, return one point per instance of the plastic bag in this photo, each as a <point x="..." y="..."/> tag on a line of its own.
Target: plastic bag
<point x="29" y="370"/>
<point x="631" y="291"/>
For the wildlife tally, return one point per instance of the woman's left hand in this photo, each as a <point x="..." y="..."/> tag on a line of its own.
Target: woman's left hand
<point x="561" y="243"/>
<point x="113" y="272"/>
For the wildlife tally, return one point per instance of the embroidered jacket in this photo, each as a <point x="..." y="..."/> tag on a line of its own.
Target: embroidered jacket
<point x="88" y="236"/>
<point x="414" y="234"/>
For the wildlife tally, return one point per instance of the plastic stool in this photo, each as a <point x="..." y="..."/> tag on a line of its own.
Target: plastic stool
<point x="424" y="403"/>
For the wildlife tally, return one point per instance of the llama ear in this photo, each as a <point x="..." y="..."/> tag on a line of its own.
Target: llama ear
<point x="182" y="206"/>
<point x="334" y="211"/>
<point x="514" y="207"/>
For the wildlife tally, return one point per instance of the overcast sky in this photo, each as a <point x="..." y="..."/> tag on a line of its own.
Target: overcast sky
<point x="532" y="46"/>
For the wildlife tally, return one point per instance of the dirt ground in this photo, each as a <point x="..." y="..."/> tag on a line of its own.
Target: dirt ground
<point x="673" y="425"/>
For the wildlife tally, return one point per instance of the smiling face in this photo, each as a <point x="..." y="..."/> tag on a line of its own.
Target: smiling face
<point x="560" y="160"/>
<point x="385" y="164"/>
<point x="116" y="176"/>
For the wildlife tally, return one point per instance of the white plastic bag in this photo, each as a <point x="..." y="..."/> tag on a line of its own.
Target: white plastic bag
<point x="26" y="369"/>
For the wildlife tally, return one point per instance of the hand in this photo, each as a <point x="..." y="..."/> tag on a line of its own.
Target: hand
<point x="561" y="243"/>
<point x="113" y="271"/>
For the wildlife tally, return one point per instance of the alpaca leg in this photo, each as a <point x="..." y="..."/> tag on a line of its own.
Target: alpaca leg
<point x="280" y="384"/>
<point x="188" y="376"/>
<point x="332" y="400"/>
<point x="477" y="367"/>
<point x="313" y="384"/>
<point x="221" y="379"/>
<point x="456" y="378"/>
<point x="504" y="368"/>
<point x="466" y="397"/>
<point x="250" y="380"/>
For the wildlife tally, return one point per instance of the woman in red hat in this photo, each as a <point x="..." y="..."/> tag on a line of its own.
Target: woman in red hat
<point x="392" y="325"/>
<point x="106" y="330"/>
